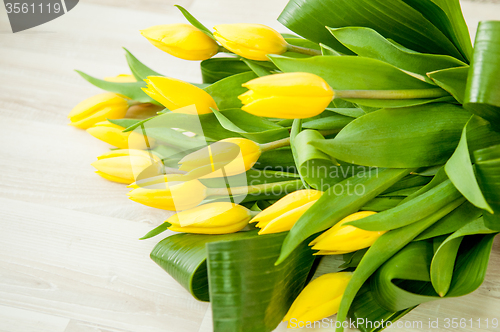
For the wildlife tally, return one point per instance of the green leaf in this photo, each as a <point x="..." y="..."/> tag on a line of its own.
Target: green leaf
<point x="391" y="18"/>
<point x="183" y="256"/>
<point x="412" y="211"/>
<point x="247" y="291"/>
<point x="379" y="204"/>
<point x="257" y="68"/>
<point x="225" y="92"/>
<point x="350" y="112"/>
<point x="338" y="202"/>
<point x="487" y="170"/>
<point x="481" y="94"/>
<point x="139" y="70"/>
<point x="131" y="90"/>
<point x="409" y="137"/>
<point x="215" y="69"/>
<point x="452" y="80"/>
<point x="461" y="173"/>
<point x="125" y="123"/>
<point x="157" y="230"/>
<point x="369" y="43"/>
<point x="333" y="123"/>
<point x="277" y="159"/>
<point x="195" y="22"/>
<point x="250" y="126"/>
<point x="384" y="248"/>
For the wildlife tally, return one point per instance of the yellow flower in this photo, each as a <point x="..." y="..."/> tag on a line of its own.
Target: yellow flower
<point x="251" y="41"/>
<point x="98" y="108"/>
<point x="175" y="196"/>
<point x="230" y="156"/>
<point x="212" y="218"/>
<point x="287" y="96"/>
<point x="182" y="40"/>
<point x="125" y="165"/>
<point x="114" y="135"/>
<point x="282" y="215"/>
<point x="319" y="299"/>
<point x="175" y="94"/>
<point x="122" y="78"/>
<point x="342" y="239"/>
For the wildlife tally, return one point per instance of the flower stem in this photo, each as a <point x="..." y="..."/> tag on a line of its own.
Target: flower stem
<point x="264" y="188"/>
<point x="275" y="145"/>
<point x="391" y="94"/>
<point x="303" y="50"/>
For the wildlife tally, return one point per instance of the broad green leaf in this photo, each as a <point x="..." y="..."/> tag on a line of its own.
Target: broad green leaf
<point x="250" y="126"/>
<point x="252" y="177"/>
<point x="379" y="204"/>
<point x="452" y="80"/>
<point x="442" y="265"/>
<point x="376" y="104"/>
<point x="131" y="90"/>
<point x="481" y="94"/>
<point x="409" y="137"/>
<point x="225" y="92"/>
<point x="215" y="69"/>
<point x="257" y="68"/>
<point x="333" y="123"/>
<point x="393" y="19"/>
<point x="183" y="256"/>
<point x="278" y="159"/>
<point x="338" y="202"/>
<point x="303" y="43"/>
<point x="369" y="43"/>
<point x="294" y="131"/>
<point x="247" y="291"/>
<point x="350" y="112"/>
<point x="462" y="215"/>
<point x="488" y="171"/>
<point x="410" y="181"/>
<point x="439" y="178"/>
<point x="195" y="22"/>
<point x="412" y="211"/>
<point x="327" y="50"/>
<point x="139" y="70"/>
<point x="384" y="248"/>
<point x="461" y="172"/>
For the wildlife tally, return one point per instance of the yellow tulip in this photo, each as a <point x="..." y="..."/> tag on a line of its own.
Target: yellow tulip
<point x="125" y="165"/>
<point x="212" y="218"/>
<point x="98" y="108"/>
<point x="175" y="94"/>
<point x="182" y="40"/>
<point x="122" y="78"/>
<point x="319" y="299"/>
<point x="230" y="156"/>
<point x="251" y="41"/>
<point x="287" y="96"/>
<point x="342" y="239"/>
<point x="282" y="215"/>
<point x="175" y="196"/>
<point x="114" y="135"/>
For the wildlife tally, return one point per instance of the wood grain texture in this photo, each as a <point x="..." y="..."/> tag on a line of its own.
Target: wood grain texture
<point x="70" y="260"/>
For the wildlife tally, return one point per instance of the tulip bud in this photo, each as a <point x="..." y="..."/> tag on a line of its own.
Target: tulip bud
<point x="319" y="299"/>
<point x="342" y="239"/>
<point x="175" y="94"/>
<point x="282" y="215"/>
<point x="182" y="40"/>
<point x="97" y="109"/>
<point x="175" y="196"/>
<point x="125" y="165"/>
<point x="227" y="157"/>
<point x="251" y="41"/>
<point x="114" y="135"/>
<point x="212" y="218"/>
<point x="287" y="96"/>
<point x="122" y="78"/>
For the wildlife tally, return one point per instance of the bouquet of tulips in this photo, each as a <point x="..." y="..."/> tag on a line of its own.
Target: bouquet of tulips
<point x="372" y="135"/>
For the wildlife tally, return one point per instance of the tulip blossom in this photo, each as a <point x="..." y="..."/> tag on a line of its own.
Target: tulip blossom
<point x="227" y="157"/>
<point x="287" y="96"/>
<point x="175" y="196"/>
<point x="212" y="218"/>
<point x="175" y="94"/>
<point x="97" y="109"/>
<point x="251" y="41"/>
<point x="342" y="239"/>
<point x="282" y="215"/>
<point x="125" y="165"/>
<point x="319" y="299"/>
<point x="114" y="135"/>
<point x="182" y="40"/>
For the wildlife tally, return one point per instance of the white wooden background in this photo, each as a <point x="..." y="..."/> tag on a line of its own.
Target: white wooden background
<point x="70" y="260"/>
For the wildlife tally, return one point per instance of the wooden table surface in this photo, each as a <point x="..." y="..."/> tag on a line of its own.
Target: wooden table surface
<point x="70" y="260"/>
